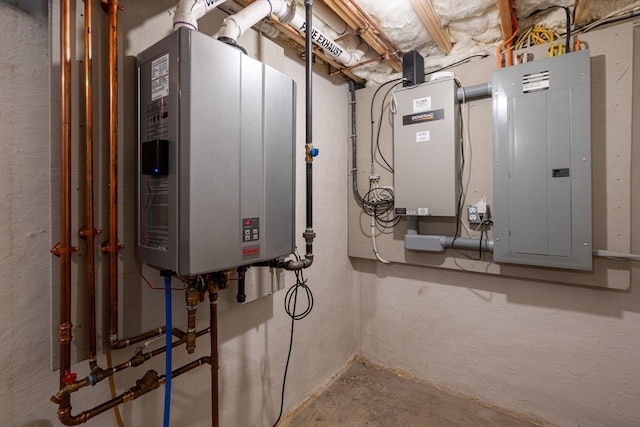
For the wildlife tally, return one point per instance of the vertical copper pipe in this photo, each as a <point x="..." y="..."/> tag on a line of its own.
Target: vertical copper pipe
<point x="213" y="334"/>
<point x="112" y="243"/>
<point x="64" y="333"/>
<point x="88" y="231"/>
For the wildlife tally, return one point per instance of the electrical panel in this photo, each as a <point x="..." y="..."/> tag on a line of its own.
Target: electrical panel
<point x="542" y="162"/>
<point x="426" y="145"/>
<point x="216" y="156"/>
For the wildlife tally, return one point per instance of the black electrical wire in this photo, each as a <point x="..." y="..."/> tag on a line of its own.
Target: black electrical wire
<point x="384" y="99"/>
<point x="372" y="203"/>
<point x="460" y="169"/>
<point x="290" y="305"/>
<point x="397" y="82"/>
<point x="593" y="25"/>
<point x="567" y="46"/>
<point x="379" y="203"/>
<point x="462" y="61"/>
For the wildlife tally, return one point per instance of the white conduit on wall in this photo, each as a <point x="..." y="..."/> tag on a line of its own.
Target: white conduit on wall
<point x="188" y="12"/>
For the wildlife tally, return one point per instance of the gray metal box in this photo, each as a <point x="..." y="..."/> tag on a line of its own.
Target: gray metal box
<point x="426" y="143"/>
<point x="227" y="198"/>
<point x="542" y="162"/>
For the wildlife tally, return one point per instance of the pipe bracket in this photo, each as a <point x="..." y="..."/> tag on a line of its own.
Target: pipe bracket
<point x="58" y="250"/>
<point x="84" y="232"/>
<point x="107" y="247"/>
<point x="64" y="333"/>
<point x="106" y="3"/>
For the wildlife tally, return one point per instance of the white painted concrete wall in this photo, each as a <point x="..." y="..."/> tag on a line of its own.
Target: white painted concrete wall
<point x="567" y="354"/>
<point x="254" y="338"/>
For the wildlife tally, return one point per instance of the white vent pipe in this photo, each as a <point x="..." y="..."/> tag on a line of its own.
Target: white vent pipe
<point x="188" y="12"/>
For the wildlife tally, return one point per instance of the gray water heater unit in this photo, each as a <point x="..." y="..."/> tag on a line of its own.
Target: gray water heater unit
<point x="215" y="156"/>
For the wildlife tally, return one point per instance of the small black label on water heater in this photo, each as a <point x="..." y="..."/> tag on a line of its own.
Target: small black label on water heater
<point x="560" y="173"/>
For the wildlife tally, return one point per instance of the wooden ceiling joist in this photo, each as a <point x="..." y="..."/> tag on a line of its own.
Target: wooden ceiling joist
<point x="427" y="14"/>
<point x="370" y="32"/>
<point x="504" y="8"/>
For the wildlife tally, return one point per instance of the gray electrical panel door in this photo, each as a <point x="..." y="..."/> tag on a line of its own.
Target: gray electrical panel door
<point x="426" y="141"/>
<point x="216" y="156"/>
<point x="542" y="162"/>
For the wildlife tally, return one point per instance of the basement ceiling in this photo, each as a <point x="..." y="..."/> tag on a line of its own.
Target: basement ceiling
<point x="442" y="31"/>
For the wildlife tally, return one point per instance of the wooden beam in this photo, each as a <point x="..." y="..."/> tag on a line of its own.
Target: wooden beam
<point x="431" y="22"/>
<point x="370" y="32"/>
<point x="504" y="7"/>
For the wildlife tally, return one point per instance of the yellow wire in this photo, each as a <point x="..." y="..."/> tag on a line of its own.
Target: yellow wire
<point x="112" y="387"/>
<point x="536" y="35"/>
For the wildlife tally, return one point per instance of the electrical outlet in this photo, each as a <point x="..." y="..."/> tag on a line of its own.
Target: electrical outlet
<point x="374" y="179"/>
<point x="478" y="214"/>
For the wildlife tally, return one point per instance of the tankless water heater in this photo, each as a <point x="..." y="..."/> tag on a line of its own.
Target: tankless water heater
<point x="215" y="156"/>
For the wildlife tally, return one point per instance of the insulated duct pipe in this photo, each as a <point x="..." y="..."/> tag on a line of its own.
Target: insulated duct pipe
<point x="234" y="26"/>
<point x="474" y="92"/>
<point x="434" y="243"/>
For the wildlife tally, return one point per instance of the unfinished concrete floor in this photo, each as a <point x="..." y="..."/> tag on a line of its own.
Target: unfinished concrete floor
<point x="369" y="395"/>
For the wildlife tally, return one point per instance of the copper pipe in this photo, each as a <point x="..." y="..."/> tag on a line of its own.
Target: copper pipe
<point x="98" y="374"/>
<point x="125" y="342"/>
<point x="359" y="64"/>
<point x="64" y="248"/>
<point x="213" y="335"/>
<point x="150" y="381"/>
<point x="88" y="231"/>
<point x="177" y="343"/>
<point x="189" y="366"/>
<point x="111" y="245"/>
